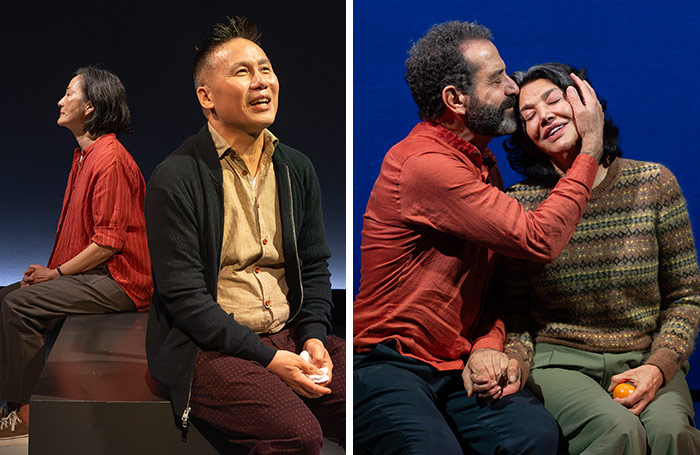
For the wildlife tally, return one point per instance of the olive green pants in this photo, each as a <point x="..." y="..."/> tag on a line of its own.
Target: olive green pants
<point x="573" y="385"/>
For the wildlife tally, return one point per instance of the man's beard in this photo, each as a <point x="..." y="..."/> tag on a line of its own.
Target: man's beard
<point x="489" y="120"/>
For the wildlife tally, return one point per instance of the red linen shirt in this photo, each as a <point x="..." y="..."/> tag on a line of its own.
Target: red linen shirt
<point x="435" y="219"/>
<point x="103" y="204"/>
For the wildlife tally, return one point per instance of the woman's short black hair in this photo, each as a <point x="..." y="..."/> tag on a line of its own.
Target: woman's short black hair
<point x="524" y="157"/>
<point x="108" y="96"/>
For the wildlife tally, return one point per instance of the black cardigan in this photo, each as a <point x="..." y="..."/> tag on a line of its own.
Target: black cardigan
<point x="184" y="219"/>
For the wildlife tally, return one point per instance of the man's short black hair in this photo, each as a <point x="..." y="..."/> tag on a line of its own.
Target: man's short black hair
<point x="108" y="96"/>
<point x="524" y="157"/>
<point x="436" y="61"/>
<point x="235" y="27"/>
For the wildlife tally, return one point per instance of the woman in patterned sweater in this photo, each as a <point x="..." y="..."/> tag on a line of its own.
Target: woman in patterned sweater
<point x="620" y="304"/>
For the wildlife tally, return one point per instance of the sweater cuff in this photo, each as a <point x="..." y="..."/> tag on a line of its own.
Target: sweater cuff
<point x="524" y="370"/>
<point x="667" y="361"/>
<point x="311" y="330"/>
<point x="519" y="354"/>
<point x="265" y="354"/>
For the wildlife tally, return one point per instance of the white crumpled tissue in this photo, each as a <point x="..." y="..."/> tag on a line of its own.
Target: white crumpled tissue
<point x="317" y="378"/>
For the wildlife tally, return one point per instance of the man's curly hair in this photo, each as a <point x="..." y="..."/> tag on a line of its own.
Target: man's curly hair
<point x="436" y="61"/>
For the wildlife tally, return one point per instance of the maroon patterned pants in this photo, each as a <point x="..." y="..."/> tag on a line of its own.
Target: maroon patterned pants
<point x="252" y="407"/>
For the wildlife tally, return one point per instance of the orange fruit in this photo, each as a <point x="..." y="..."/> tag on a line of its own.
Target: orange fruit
<point x="623" y="390"/>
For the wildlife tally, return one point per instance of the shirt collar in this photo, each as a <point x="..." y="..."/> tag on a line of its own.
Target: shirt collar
<point x="478" y="157"/>
<point x="93" y="146"/>
<point x="269" y="142"/>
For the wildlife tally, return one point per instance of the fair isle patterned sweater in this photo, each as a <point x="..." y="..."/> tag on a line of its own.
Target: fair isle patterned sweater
<point x="627" y="281"/>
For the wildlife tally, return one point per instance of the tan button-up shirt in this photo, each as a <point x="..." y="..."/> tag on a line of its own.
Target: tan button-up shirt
<point x="251" y="282"/>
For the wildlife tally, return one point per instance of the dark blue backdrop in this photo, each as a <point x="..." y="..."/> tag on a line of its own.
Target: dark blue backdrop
<point x="150" y="46"/>
<point x="643" y="57"/>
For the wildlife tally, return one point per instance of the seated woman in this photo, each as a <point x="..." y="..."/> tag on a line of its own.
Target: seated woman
<point x="620" y="304"/>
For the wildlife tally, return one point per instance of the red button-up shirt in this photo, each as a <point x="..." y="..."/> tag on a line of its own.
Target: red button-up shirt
<point x="435" y="219"/>
<point x="103" y="204"/>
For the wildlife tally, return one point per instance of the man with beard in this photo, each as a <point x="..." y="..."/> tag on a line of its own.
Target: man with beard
<point x="430" y="375"/>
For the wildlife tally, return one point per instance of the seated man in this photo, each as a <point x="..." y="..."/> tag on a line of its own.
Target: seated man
<point x="99" y="262"/>
<point x="240" y="266"/>
<point x="435" y="222"/>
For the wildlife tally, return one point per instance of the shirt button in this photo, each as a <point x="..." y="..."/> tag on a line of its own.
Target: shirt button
<point x="267" y="304"/>
<point x="257" y="269"/>
<point x="244" y="172"/>
<point x="264" y="241"/>
<point x="257" y="204"/>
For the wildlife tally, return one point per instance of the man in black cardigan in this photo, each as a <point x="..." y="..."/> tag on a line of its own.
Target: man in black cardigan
<point x="240" y="267"/>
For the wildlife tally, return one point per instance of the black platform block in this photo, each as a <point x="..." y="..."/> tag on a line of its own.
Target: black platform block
<point x="95" y="395"/>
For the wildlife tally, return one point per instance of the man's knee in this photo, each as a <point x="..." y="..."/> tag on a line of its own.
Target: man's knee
<point x="397" y="420"/>
<point x="387" y="428"/>
<point x="303" y="436"/>
<point x="311" y="441"/>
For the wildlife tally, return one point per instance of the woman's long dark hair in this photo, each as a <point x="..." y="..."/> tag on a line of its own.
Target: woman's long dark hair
<point x="524" y="157"/>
